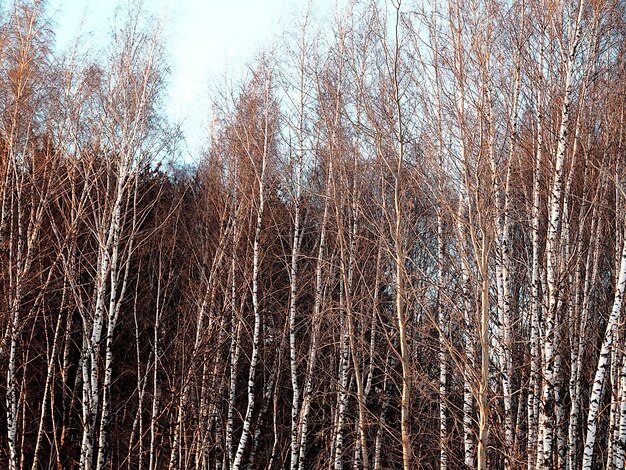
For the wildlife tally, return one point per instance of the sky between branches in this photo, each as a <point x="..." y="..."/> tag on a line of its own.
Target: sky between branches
<point x="206" y="40"/>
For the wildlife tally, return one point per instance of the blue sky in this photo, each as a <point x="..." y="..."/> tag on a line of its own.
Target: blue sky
<point x="206" y="40"/>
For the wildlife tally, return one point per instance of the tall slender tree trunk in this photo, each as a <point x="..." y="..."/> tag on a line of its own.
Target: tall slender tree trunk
<point x="443" y="345"/>
<point x="256" y="335"/>
<point x="603" y="363"/>
<point x="551" y="374"/>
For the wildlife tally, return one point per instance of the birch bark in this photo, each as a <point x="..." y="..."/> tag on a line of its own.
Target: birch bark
<point x="603" y="363"/>
<point x="256" y="335"/>
<point x="551" y="375"/>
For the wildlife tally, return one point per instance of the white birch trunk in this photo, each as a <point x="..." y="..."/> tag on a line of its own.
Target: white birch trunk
<point x="90" y="356"/>
<point x="603" y="362"/>
<point x="256" y="335"/>
<point x="534" y="386"/>
<point x="443" y="344"/>
<point x="591" y="270"/>
<point x="469" y="337"/>
<point x="293" y="286"/>
<point x="116" y="294"/>
<point x="316" y="322"/>
<point x="620" y="447"/>
<point x="233" y="354"/>
<point x="342" y="392"/>
<point x="268" y="392"/>
<point x="551" y="374"/>
<point x="11" y="397"/>
<point x="613" y="430"/>
<point x="361" y="445"/>
<point x="256" y="340"/>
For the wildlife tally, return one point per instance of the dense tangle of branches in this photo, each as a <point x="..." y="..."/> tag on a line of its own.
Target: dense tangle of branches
<point x="402" y="247"/>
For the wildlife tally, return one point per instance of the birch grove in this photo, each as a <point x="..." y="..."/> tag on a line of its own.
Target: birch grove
<point x="402" y="244"/>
